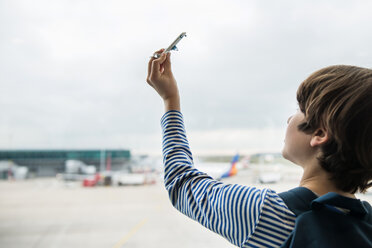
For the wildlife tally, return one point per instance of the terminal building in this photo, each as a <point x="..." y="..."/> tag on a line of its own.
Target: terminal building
<point x="45" y="163"/>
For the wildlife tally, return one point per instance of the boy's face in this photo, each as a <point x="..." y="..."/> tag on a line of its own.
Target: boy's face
<point x="297" y="143"/>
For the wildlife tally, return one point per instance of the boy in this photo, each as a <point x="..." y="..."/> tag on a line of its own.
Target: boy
<point x="329" y="137"/>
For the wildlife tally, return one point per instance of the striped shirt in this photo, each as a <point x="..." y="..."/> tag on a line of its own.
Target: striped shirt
<point x="245" y="216"/>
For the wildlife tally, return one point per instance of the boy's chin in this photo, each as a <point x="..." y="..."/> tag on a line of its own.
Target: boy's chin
<point x="284" y="153"/>
<point x="286" y="156"/>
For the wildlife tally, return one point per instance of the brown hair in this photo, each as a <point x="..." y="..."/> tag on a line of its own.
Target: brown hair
<point x="339" y="99"/>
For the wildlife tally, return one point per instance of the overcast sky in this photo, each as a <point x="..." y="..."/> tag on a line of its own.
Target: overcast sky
<point x="72" y="73"/>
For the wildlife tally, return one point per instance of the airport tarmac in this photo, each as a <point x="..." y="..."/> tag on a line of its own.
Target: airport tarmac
<point x="47" y="213"/>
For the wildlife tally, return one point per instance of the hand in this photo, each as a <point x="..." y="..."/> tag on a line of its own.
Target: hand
<point x="161" y="78"/>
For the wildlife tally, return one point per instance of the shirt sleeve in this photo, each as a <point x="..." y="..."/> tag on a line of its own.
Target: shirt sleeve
<point x="231" y="210"/>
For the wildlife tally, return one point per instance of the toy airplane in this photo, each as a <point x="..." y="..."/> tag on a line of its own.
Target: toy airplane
<point x="171" y="46"/>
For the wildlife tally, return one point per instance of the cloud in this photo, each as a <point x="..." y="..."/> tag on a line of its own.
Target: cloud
<point x="73" y="72"/>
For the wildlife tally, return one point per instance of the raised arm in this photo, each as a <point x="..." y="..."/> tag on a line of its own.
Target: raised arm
<point x="228" y="209"/>
<point x="233" y="211"/>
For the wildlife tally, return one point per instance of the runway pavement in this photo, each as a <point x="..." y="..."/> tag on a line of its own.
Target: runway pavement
<point x="46" y="213"/>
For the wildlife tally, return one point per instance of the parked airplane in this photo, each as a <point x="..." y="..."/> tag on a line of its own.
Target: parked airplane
<point x="219" y="170"/>
<point x="266" y="168"/>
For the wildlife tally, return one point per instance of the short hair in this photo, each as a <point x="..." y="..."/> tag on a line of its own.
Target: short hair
<point x="339" y="99"/>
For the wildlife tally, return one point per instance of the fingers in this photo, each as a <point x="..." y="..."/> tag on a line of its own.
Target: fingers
<point x="156" y="68"/>
<point x="167" y="63"/>
<point x="158" y="52"/>
<point x="149" y="66"/>
<point x="149" y="69"/>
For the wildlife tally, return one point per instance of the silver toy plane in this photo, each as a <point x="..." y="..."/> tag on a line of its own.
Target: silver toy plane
<point x="171" y="46"/>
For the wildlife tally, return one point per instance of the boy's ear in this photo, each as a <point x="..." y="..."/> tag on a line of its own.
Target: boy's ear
<point x="319" y="137"/>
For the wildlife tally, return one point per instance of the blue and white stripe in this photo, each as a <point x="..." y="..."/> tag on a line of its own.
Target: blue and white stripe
<point x="245" y="216"/>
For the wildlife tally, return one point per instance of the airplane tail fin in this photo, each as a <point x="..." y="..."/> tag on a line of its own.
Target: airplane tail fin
<point x="233" y="170"/>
